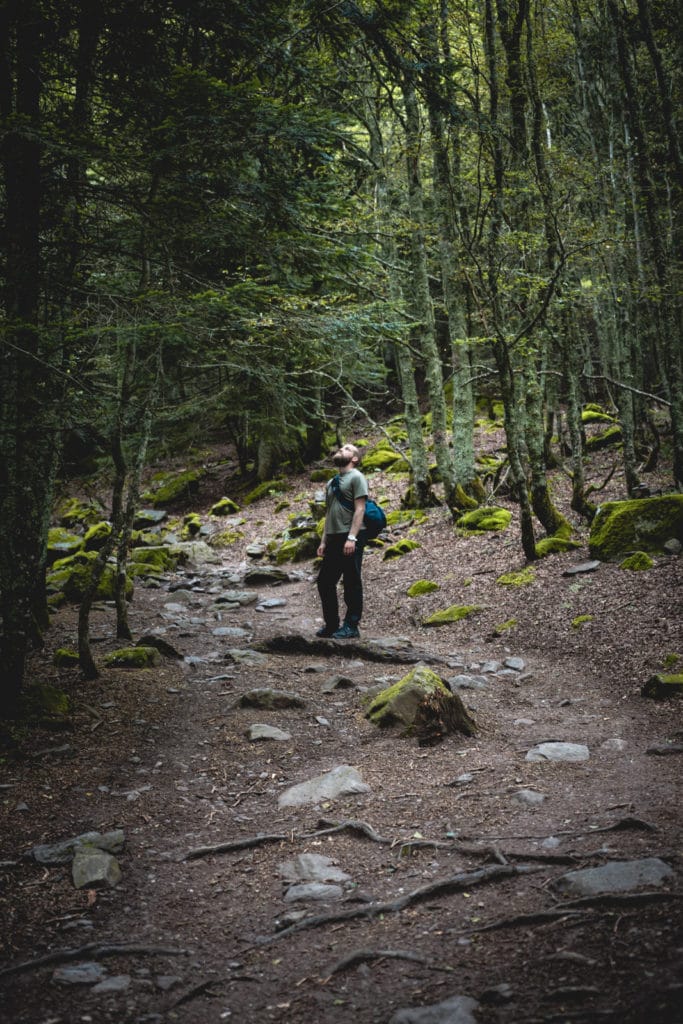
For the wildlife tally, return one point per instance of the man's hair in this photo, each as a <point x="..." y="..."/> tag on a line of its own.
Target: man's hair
<point x="358" y="454"/>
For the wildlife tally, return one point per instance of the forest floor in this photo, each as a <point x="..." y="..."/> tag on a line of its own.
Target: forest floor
<point x="451" y="887"/>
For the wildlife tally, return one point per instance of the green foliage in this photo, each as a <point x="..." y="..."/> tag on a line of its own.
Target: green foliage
<point x="453" y="614"/>
<point x="639" y="561"/>
<point x="133" y="657"/>
<point x="421" y="587"/>
<point x="517" y="579"/>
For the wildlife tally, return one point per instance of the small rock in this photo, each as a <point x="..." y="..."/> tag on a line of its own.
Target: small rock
<point x="617" y="876"/>
<point x="517" y="664"/>
<point x="92" y="868"/>
<point x="465" y="682"/>
<point x="79" y="974"/>
<point x="267" y="732"/>
<point x="339" y="781"/>
<point x="117" y="983"/>
<point x="456" y="1010"/>
<point x="313" y="891"/>
<point x="165" y="982"/>
<point x="613" y="745"/>
<point x="574" y="570"/>
<point x="558" y="752"/>
<point x="529" y="797"/>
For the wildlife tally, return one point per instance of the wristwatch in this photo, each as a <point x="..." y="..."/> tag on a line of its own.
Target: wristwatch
<point x="351" y="537"/>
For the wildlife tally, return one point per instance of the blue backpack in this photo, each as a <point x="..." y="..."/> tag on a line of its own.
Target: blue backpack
<point x="374" y="520"/>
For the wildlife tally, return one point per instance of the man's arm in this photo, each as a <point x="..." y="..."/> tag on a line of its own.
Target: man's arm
<point x="356" y="525"/>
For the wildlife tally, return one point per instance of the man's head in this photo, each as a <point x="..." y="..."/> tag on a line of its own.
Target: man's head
<point x="347" y="457"/>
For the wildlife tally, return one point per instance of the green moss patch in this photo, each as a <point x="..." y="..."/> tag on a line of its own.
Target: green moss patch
<point x="505" y="627"/>
<point x="160" y="557"/>
<point x="517" y="579"/>
<point x="421" y="587"/>
<point x="581" y="620"/>
<point x="481" y="520"/>
<point x="555" y="545"/>
<point x="97" y="536"/>
<point x="61" y="543"/>
<point x="64" y="657"/>
<point x="639" y="561"/>
<point x="169" y="488"/>
<point x="226" y="538"/>
<point x="604" y="440"/>
<point x="398" y="703"/>
<point x="663" y="685"/>
<point x="453" y="614"/>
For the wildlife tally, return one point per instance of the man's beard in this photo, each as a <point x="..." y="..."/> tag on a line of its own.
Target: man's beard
<point x="340" y="460"/>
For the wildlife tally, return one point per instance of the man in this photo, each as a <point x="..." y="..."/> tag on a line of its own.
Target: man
<point x="341" y="547"/>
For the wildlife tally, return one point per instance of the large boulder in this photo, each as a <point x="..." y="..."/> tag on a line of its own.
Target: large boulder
<point x="423" y="705"/>
<point x="641" y="524"/>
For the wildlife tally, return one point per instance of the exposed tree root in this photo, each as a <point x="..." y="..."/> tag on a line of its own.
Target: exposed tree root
<point x="327" y="826"/>
<point x="235" y="844"/>
<point x="360" y="956"/>
<point x="455" y="883"/>
<point x="93" y="950"/>
<point x="578" y="907"/>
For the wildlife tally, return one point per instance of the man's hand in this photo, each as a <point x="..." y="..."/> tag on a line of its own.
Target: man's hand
<point x="321" y="549"/>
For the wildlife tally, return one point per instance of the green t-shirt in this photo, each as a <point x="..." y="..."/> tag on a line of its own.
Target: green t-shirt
<point x="352" y="485"/>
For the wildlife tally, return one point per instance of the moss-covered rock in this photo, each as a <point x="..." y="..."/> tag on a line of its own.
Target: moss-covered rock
<point x="97" y="536"/>
<point x="663" y="685"/>
<point x="224" y="507"/>
<point x="169" y="488"/>
<point x="517" y="579"/>
<point x="74" y="513"/>
<point x="481" y="520"/>
<point x="64" y="657"/>
<point x="504" y="627"/>
<point x="226" y="538"/>
<point x="398" y="703"/>
<point x="604" y="440"/>
<point x="161" y="558"/>
<point x="641" y="524"/>
<point x="381" y="457"/>
<point x="321" y="476"/>
<point x="264" y="489"/>
<point x="639" y="561"/>
<point x="400" y="517"/>
<point x="133" y="657"/>
<point x="581" y="620"/>
<point x="402" y="547"/>
<point x="61" y="543"/>
<point x="192" y="524"/>
<point x="594" y="414"/>
<point x="298" y="549"/>
<point x="72" y="577"/>
<point x="421" y="587"/>
<point x="398" y="467"/>
<point x="453" y="614"/>
<point x="45" y="703"/>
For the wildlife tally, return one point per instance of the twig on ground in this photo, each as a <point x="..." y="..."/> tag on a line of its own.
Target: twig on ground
<point x="94" y="950"/>
<point x="455" y="883"/>
<point x="235" y="844"/>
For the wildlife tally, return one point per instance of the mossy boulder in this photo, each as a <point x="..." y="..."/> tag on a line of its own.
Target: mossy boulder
<point x="160" y="557"/>
<point x="298" y="549"/>
<point x="61" y="543"/>
<point x="400" y="517"/>
<point x="604" y="440"/>
<point x="64" y="657"/>
<point x="226" y="538"/>
<point x="192" y="524"/>
<point x="455" y="613"/>
<point x="639" y="561"/>
<point x="403" y="547"/>
<point x="522" y="578"/>
<point x="581" y="620"/>
<point x="663" y="685"/>
<point x="398" y="703"/>
<point x="72" y="577"/>
<point x="97" y="536"/>
<point x="398" y="467"/>
<point x="169" y="488"/>
<point x="71" y="512"/>
<point x="45" y="703"/>
<point x="481" y="520"/>
<point x="381" y="457"/>
<point x="264" y="489"/>
<point x="640" y="524"/>
<point x="594" y="414"/>
<point x="133" y="657"/>
<point x="320" y="476"/>
<point x="420" y="587"/>
<point x="224" y="507"/>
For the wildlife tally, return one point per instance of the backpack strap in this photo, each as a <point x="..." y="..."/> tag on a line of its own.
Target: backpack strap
<point x="336" y="490"/>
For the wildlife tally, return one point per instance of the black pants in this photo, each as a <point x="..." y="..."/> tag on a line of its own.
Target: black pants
<point x="336" y="564"/>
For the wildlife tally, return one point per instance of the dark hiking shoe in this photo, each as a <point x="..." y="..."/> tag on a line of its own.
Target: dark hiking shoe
<point x="347" y="632"/>
<point x="325" y="631"/>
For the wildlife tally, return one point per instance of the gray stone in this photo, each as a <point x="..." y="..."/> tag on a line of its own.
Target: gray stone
<point x="87" y="973"/>
<point x="529" y="797"/>
<point x="489" y="667"/>
<point x="311" y="867"/>
<point x="267" y="732"/>
<point x="265" y="574"/>
<point x="614" y="745"/>
<point x="617" y="876"/>
<point x="240" y="597"/>
<point x="558" y="752"/>
<point x="117" y="983"/>
<point x="92" y="868"/>
<point x="340" y="781"/>
<point x="197" y="552"/>
<point x="337" y="683"/>
<point x="165" y="982"/>
<point x="517" y="664"/>
<point x="245" y="657"/>
<point x="575" y="570"/>
<point x="313" y="891"/>
<point x="672" y="546"/>
<point x="456" y="1010"/>
<point x="464" y="682"/>
<point x="235" y="632"/>
<point x="271" y="602"/>
<point x="62" y="852"/>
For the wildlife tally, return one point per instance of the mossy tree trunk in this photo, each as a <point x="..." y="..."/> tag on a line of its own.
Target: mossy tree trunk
<point x="424" y="332"/>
